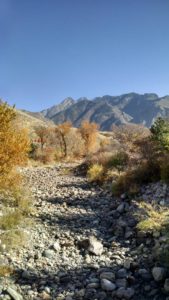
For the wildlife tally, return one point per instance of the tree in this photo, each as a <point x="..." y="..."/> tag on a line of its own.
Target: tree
<point x="62" y="131"/>
<point x="160" y="132"/>
<point x="14" y="143"/>
<point x="14" y="147"/>
<point x="88" y="132"/>
<point x="128" y="135"/>
<point x="42" y="133"/>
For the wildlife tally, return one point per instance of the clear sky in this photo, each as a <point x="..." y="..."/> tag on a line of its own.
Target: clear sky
<point x="52" y="49"/>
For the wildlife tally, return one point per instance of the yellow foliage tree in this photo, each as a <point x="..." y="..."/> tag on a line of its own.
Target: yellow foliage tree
<point x="88" y="132"/>
<point x="14" y="146"/>
<point x="63" y="130"/>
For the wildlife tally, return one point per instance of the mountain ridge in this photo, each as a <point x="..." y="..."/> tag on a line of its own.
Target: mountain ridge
<point x="108" y="110"/>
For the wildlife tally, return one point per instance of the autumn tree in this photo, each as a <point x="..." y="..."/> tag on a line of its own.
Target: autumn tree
<point x="127" y="135"/>
<point x="62" y="131"/>
<point x="42" y="134"/>
<point x="14" y="146"/>
<point x="88" y="132"/>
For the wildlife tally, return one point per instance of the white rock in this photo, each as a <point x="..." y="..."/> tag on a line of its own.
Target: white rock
<point x="95" y="246"/>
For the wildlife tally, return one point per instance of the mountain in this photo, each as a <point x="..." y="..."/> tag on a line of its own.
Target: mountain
<point x="109" y="110"/>
<point x="50" y="112"/>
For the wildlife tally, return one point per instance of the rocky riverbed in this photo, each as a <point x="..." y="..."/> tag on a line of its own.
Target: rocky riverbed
<point x="83" y="243"/>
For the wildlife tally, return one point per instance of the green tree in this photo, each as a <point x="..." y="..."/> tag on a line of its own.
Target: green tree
<point x="160" y="132"/>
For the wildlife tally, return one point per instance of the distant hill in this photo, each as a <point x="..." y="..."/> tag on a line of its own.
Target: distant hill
<point x="30" y="121"/>
<point x="109" y="110"/>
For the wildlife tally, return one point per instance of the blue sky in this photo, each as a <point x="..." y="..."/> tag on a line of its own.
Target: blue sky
<point x="52" y="49"/>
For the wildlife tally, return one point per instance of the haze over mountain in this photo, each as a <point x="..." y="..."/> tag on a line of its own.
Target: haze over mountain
<point x="108" y="110"/>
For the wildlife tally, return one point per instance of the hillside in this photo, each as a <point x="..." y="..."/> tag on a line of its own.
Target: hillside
<point x="108" y="110"/>
<point x="30" y="122"/>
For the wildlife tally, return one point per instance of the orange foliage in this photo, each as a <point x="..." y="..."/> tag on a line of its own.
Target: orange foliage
<point x="63" y="130"/>
<point x="14" y="144"/>
<point x="88" y="132"/>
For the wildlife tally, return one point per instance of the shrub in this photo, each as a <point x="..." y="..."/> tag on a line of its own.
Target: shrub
<point x="131" y="180"/>
<point x="164" y="170"/>
<point x="119" y="161"/>
<point x="33" y="150"/>
<point x="153" y="218"/>
<point x="96" y="173"/>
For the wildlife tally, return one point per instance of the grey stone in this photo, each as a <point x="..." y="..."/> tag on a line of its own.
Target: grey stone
<point x="125" y="293"/>
<point x="122" y="273"/>
<point x="166" y="285"/>
<point x="25" y="274"/>
<point x="158" y="273"/>
<point x="108" y="275"/>
<point x="121" y="282"/>
<point x="107" y="285"/>
<point x="121" y="207"/>
<point x="129" y="293"/>
<point x="127" y="264"/>
<point x="48" y="253"/>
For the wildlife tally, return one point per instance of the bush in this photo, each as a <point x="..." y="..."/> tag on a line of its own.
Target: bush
<point x="164" y="171"/>
<point x="133" y="179"/>
<point x="33" y="150"/>
<point x="96" y="173"/>
<point x="118" y="161"/>
<point x="153" y="218"/>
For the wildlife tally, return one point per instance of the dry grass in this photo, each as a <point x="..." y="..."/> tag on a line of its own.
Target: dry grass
<point x="13" y="239"/>
<point x="153" y="218"/>
<point x="95" y="173"/>
<point x="6" y="271"/>
<point x="10" y="220"/>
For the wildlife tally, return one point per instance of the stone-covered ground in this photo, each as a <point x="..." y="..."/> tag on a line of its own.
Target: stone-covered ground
<point x="83" y="243"/>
